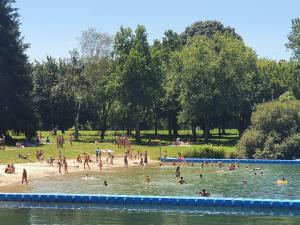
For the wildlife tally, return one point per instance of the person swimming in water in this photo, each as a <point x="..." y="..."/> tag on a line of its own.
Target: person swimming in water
<point x="244" y="181"/>
<point x="147" y="179"/>
<point x="204" y="193"/>
<point x="182" y="181"/>
<point x="201" y="175"/>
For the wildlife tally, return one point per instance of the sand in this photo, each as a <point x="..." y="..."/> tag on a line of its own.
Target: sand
<point x="43" y="169"/>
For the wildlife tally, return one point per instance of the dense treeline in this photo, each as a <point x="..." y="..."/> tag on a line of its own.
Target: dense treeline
<point x="204" y="78"/>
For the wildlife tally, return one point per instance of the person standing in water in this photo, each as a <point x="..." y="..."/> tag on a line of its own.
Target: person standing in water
<point x="177" y="172"/>
<point x="24" y="176"/>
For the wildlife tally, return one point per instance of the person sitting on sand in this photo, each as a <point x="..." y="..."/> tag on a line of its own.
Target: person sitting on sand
<point x="182" y="181"/>
<point x="24" y="176"/>
<point x="204" y="193"/>
<point x="105" y="183"/>
<point x="12" y="168"/>
<point x="50" y="161"/>
<point x="8" y="169"/>
<point x="78" y="159"/>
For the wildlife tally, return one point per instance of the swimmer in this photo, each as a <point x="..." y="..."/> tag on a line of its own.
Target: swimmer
<point x="220" y="171"/>
<point x="282" y="181"/>
<point x="147" y="179"/>
<point x="244" y="181"/>
<point x="105" y="183"/>
<point x="204" y="193"/>
<point x="182" y="181"/>
<point x="201" y="175"/>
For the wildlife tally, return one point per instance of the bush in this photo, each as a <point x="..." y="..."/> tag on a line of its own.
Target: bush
<point x="274" y="132"/>
<point x="207" y="152"/>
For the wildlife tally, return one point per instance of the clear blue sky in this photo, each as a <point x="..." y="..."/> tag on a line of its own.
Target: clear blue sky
<point x="52" y="26"/>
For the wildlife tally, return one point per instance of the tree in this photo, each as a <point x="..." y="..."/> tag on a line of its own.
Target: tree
<point x="208" y="28"/>
<point x="274" y="131"/>
<point x="51" y="104"/>
<point x="136" y="80"/>
<point x="294" y="38"/>
<point x="96" y="52"/>
<point x="15" y="80"/>
<point x="218" y="80"/>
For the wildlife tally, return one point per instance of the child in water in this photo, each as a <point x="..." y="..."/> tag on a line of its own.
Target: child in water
<point x="182" y="181"/>
<point x="147" y="179"/>
<point x="204" y="193"/>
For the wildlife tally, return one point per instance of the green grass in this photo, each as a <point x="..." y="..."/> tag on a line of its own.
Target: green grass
<point x="87" y="138"/>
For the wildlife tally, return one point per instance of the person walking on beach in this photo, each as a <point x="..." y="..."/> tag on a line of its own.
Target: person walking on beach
<point x="86" y="160"/>
<point x="146" y="158"/>
<point x="126" y="160"/>
<point x="65" y="164"/>
<point x="24" y="176"/>
<point x="59" y="165"/>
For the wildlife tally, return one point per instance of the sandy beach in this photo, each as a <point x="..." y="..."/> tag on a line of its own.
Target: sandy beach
<point x="43" y="169"/>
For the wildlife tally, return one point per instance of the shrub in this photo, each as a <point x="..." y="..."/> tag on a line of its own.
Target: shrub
<point x="274" y="131"/>
<point x="207" y="152"/>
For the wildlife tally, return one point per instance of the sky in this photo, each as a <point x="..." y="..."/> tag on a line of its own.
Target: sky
<point x="52" y="27"/>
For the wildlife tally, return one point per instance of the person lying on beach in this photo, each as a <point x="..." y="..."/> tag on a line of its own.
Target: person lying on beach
<point x="23" y="157"/>
<point x="204" y="193"/>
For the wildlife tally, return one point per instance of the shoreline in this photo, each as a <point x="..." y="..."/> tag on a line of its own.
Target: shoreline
<point x="43" y="169"/>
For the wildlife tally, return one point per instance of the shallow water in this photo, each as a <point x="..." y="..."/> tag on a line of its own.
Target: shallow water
<point x="163" y="182"/>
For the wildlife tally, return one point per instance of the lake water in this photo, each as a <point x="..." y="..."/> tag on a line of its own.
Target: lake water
<point x="163" y="182"/>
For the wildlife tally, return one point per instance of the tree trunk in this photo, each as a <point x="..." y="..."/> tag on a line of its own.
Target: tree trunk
<point x="155" y="128"/>
<point x="76" y="120"/>
<point x="194" y="133"/>
<point x="220" y="134"/>
<point x="169" y="128"/>
<point x="174" y="126"/>
<point x="206" y="130"/>
<point x="137" y="131"/>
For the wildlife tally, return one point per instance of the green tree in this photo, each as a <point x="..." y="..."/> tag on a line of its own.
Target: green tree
<point x="294" y="38"/>
<point x="15" y="80"/>
<point x="274" y="131"/>
<point x="51" y="105"/>
<point x="136" y="78"/>
<point x="96" y="50"/>
<point x="208" y="28"/>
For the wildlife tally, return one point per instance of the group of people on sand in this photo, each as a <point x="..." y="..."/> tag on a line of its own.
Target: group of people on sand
<point x="10" y="169"/>
<point x="62" y="163"/>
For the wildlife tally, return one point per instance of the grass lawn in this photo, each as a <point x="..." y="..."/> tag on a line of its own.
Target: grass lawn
<point x="87" y="138"/>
